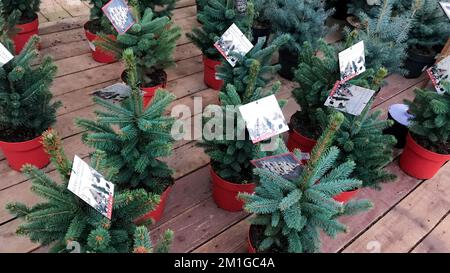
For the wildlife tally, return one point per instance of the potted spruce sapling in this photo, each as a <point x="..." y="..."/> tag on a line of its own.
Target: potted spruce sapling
<point x="216" y="17"/>
<point x="385" y="37"/>
<point x="291" y="213"/>
<point x="24" y="14"/>
<point x="152" y="40"/>
<point x="61" y="217"/>
<point x="428" y="142"/>
<point x="132" y="140"/>
<point x="430" y="30"/>
<point x="99" y="23"/>
<point x="231" y="169"/>
<point x="304" y="20"/>
<point x="360" y="138"/>
<point x="26" y="106"/>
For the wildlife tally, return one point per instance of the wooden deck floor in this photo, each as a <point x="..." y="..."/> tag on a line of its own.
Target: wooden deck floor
<point x="410" y="215"/>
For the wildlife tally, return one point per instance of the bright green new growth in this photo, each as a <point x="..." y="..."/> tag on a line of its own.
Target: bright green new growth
<point x="23" y="10"/>
<point x="430" y="125"/>
<point x="217" y="16"/>
<point x="143" y="243"/>
<point x="385" y="38"/>
<point x="130" y="140"/>
<point x="360" y="138"/>
<point x="293" y="212"/>
<point x="304" y="20"/>
<point x="61" y="217"/>
<point x="26" y="106"/>
<point x="430" y="26"/>
<point x="152" y="40"/>
<point x="240" y="75"/>
<point x="231" y="155"/>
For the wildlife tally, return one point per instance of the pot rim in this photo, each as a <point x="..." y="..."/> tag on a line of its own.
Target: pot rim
<point x="423" y="152"/>
<point x="220" y="182"/>
<point x="22" y="146"/>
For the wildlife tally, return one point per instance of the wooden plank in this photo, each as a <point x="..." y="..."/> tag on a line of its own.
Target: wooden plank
<point x="74" y="7"/>
<point x="42" y="18"/>
<point x="11" y="243"/>
<point x="53" y="11"/>
<point x="409" y="221"/>
<point x="184" y="3"/>
<point x="395" y="84"/>
<point x="438" y="241"/>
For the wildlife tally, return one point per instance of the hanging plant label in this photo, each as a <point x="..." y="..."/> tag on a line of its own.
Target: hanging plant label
<point x="91" y="187"/>
<point x="349" y="98"/>
<point x="233" y="43"/>
<point x="439" y="74"/>
<point x="263" y="118"/>
<point x="352" y="61"/>
<point x="5" y="55"/>
<point x="119" y="14"/>
<point x="446" y="8"/>
<point x="114" y="93"/>
<point x="286" y="165"/>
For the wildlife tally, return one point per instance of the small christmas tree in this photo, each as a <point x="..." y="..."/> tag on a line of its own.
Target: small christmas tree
<point x="230" y="158"/>
<point x="430" y="125"/>
<point x="385" y="38"/>
<point x="360" y="138"/>
<point x="240" y="74"/>
<point x="62" y="217"/>
<point x="217" y="16"/>
<point x="24" y="10"/>
<point x="429" y="26"/>
<point x="304" y="20"/>
<point x="26" y="105"/>
<point x="159" y="7"/>
<point x="291" y="213"/>
<point x="152" y="40"/>
<point x="130" y="140"/>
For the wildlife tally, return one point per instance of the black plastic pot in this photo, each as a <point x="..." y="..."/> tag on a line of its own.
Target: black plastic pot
<point x="399" y="114"/>
<point x="259" y="32"/>
<point x="416" y="63"/>
<point x="288" y="62"/>
<point x="341" y="10"/>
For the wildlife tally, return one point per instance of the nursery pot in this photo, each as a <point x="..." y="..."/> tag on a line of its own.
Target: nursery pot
<point x="345" y="196"/>
<point x="399" y="114"/>
<point x="288" y="62"/>
<point x="149" y="91"/>
<point x="225" y="193"/>
<point x="250" y="247"/>
<point x="98" y="54"/>
<point x="210" y="73"/>
<point x="25" y="31"/>
<point x="416" y="63"/>
<point x="27" y="152"/>
<point x="259" y="31"/>
<point x="299" y="141"/>
<point x="419" y="162"/>
<point x="157" y="213"/>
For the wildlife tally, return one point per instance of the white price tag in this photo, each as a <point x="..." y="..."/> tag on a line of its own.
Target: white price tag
<point x="349" y="98"/>
<point x="233" y="41"/>
<point x="446" y="7"/>
<point x="440" y="73"/>
<point x="119" y="14"/>
<point x="286" y="165"/>
<point x="352" y="61"/>
<point x="5" y="55"/>
<point x="91" y="187"/>
<point x="263" y="118"/>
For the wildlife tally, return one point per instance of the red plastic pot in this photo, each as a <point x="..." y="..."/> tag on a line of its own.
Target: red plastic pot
<point x="149" y="92"/>
<point x="345" y="196"/>
<point x="98" y="54"/>
<point x="225" y="193"/>
<point x="250" y="247"/>
<point x="157" y="213"/>
<point x="25" y="32"/>
<point x="298" y="141"/>
<point x="210" y="73"/>
<point x="27" y="152"/>
<point x="419" y="162"/>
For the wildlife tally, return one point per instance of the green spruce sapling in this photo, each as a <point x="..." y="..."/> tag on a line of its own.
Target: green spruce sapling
<point x="26" y="105"/>
<point x="430" y="125"/>
<point x="62" y="218"/>
<point x="152" y="40"/>
<point x="217" y="16"/>
<point x="385" y="38"/>
<point x="291" y="213"/>
<point x="24" y="11"/>
<point x="358" y="134"/>
<point x="230" y="156"/>
<point x="131" y="140"/>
